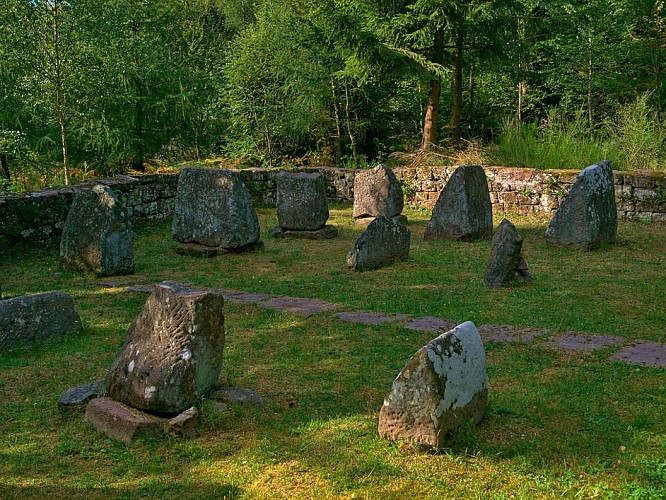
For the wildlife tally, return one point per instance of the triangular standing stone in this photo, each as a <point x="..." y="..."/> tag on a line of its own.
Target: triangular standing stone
<point x="506" y="264"/>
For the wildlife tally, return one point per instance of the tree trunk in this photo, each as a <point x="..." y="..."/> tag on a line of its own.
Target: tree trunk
<point x="352" y="139"/>
<point x="337" y="142"/>
<point x="456" y="110"/>
<point x="432" y="108"/>
<point x="589" y="80"/>
<point x="137" y="160"/>
<point x="5" y="167"/>
<point x="59" y="91"/>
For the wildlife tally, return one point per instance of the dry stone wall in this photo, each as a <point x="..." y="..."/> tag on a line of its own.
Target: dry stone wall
<point x="37" y="218"/>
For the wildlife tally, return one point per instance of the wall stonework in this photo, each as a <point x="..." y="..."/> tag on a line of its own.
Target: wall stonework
<point x="37" y="218"/>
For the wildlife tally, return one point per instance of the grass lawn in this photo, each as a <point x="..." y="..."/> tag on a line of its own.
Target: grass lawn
<point x="559" y="423"/>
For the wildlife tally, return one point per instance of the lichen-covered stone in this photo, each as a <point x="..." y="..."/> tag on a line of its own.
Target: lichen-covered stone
<point x="173" y="352"/>
<point x="506" y="264"/>
<point x="36" y="317"/>
<point x="377" y="192"/>
<point x="301" y="201"/>
<point x="587" y="216"/>
<point x="463" y="210"/>
<point x="97" y="236"/>
<point x="384" y="242"/>
<point x="214" y="208"/>
<point x="440" y="388"/>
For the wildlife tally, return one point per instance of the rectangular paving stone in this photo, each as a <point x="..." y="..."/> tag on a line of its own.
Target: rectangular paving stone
<point x="297" y="305"/>
<point x="583" y="342"/>
<point x="643" y="353"/>
<point x="371" y="318"/>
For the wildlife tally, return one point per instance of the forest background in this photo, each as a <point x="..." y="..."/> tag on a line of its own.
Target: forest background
<point x="100" y="87"/>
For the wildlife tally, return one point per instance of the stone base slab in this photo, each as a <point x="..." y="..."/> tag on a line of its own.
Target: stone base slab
<point x="121" y="422"/>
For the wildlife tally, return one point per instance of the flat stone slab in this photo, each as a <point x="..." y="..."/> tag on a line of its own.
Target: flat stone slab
<point x="643" y="353"/>
<point x="431" y="324"/>
<point x="371" y="318"/>
<point x="120" y="422"/>
<point x="76" y="399"/>
<point x="325" y="233"/>
<point x="237" y="395"/>
<point x="508" y="333"/>
<point x="297" y="305"/>
<point x="197" y="250"/>
<point x="583" y="342"/>
<point x="240" y="297"/>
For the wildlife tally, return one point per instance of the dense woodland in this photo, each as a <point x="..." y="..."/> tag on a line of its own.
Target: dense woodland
<point x="102" y="86"/>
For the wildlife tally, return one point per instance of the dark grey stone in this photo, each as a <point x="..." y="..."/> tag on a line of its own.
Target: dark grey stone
<point x="384" y="242"/>
<point x="214" y="208"/>
<point x="325" y="233"/>
<point x="587" y="216"/>
<point x="301" y="201"/>
<point x="173" y="352"/>
<point x="36" y="317"/>
<point x="506" y="264"/>
<point x="463" y="210"/>
<point x="439" y="389"/>
<point x="643" y="353"/>
<point x="97" y="236"/>
<point x="377" y="192"/>
<point x="431" y="324"/>
<point x="582" y="342"/>
<point x="76" y="399"/>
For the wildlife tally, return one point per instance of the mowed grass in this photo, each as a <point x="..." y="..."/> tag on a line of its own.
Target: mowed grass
<point x="559" y="423"/>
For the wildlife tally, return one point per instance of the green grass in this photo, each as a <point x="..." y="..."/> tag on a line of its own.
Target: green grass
<point x="559" y="423"/>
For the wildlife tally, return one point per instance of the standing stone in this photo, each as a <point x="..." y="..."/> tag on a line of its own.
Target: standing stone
<point x="97" y="236"/>
<point x="377" y="192"/>
<point x="587" y="216"/>
<point x="301" y="201"/>
<point x="384" y="241"/>
<point x="506" y="264"/>
<point x="444" y="385"/>
<point x="36" y="317"/>
<point x="214" y="208"/>
<point x="463" y="210"/>
<point x="173" y="352"/>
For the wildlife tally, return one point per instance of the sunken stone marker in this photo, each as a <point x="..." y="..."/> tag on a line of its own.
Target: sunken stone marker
<point x="214" y="208"/>
<point x="463" y="210"/>
<point x="384" y="242"/>
<point x="377" y="192"/>
<point x="444" y="385"/>
<point x="97" y="236"/>
<point x="36" y="317"/>
<point x="506" y="264"/>
<point x="173" y="352"/>
<point x="587" y="216"/>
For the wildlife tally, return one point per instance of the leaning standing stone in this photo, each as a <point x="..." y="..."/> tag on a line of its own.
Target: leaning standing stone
<point x="587" y="216"/>
<point x="97" y="236"/>
<point x="214" y="208"/>
<point x="36" y="317"/>
<point x="463" y="210"/>
<point x="444" y="385"/>
<point x="301" y="201"/>
<point x="384" y="242"/>
<point x="506" y="264"/>
<point x="173" y="352"/>
<point x="377" y="192"/>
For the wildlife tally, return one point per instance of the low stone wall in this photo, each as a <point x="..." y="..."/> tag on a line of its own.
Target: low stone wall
<point x="37" y="218"/>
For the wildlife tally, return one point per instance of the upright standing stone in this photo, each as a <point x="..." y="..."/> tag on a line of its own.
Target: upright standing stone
<point x="377" y="192"/>
<point x="438" y="390"/>
<point x="97" y="236"/>
<point x="36" y="317"/>
<point x="214" y="208"/>
<point x="463" y="210"/>
<point x="506" y="264"/>
<point x="587" y="216"/>
<point x="384" y="241"/>
<point x="173" y="352"/>
<point x="301" y="201"/>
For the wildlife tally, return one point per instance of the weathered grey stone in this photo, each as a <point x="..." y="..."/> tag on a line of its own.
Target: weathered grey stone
<point x="36" y="317"/>
<point x="173" y="352"/>
<point x="383" y="243"/>
<point x="506" y="264"/>
<point x="444" y="385"/>
<point x="377" y="192"/>
<point x="97" y="236"/>
<point x="587" y="217"/>
<point x="463" y="210"/>
<point x="237" y="395"/>
<point x="185" y="424"/>
<point x="121" y="422"/>
<point x="214" y="208"/>
<point x="301" y="201"/>
<point x="325" y="233"/>
<point x="76" y="399"/>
